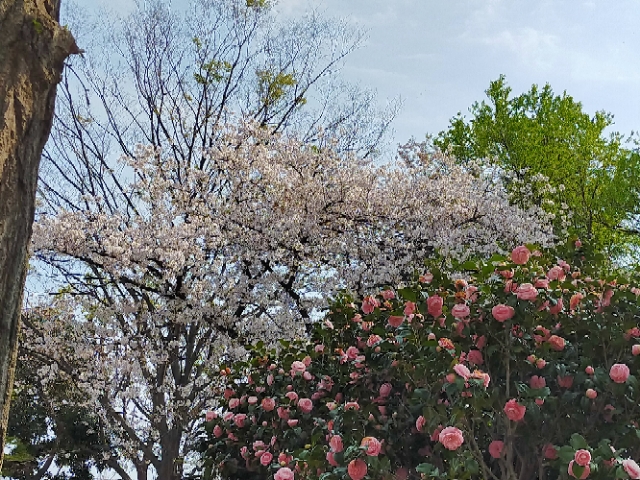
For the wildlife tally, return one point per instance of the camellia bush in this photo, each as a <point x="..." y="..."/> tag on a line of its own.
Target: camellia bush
<point x="520" y="367"/>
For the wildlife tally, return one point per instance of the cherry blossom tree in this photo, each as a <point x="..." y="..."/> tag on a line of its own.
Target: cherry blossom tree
<point x="247" y="246"/>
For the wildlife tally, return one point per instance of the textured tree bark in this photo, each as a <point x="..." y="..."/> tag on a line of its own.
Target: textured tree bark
<point x="33" y="48"/>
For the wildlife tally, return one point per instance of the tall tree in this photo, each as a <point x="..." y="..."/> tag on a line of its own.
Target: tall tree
<point x="33" y="48"/>
<point x="562" y="154"/>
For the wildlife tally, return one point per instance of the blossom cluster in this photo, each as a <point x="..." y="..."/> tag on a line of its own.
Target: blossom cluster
<point x="527" y="364"/>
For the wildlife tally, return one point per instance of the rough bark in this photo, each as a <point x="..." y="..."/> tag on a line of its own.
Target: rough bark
<point x="33" y="48"/>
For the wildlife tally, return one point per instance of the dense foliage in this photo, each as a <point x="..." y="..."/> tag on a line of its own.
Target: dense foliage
<point x="521" y="367"/>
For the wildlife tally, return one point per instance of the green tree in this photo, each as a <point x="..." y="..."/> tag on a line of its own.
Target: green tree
<point x="547" y="143"/>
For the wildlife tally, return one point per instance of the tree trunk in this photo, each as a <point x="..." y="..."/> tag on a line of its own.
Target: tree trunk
<point x="33" y="48"/>
<point x="171" y="462"/>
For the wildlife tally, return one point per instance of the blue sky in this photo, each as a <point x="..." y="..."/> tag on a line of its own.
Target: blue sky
<point x="439" y="56"/>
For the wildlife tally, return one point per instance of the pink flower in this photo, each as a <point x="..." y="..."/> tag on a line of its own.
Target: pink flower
<point x="460" y="310"/>
<point x="332" y="459"/>
<point x="585" y="473"/>
<point x="369" y="304"/>
<point x="265" y="458"/>
<point x="385" y="390"/>
<point x="619" y="373"/>
<point x="305" y="404"/>
<point x="293" y="396"/>
<point x="284" y="473"/>
<point x="557" y="308"/>
<point x="357" y="469"/>
<point x="514" y="411"/>
<point x="542" y="283"/>
<point x="537" y="382"/>
<point x="526" y="291"/>
<point x="635" y="350"/>
<point x="549" y="452"/>
<point x="462" y="371"/>
<point x="632" y="468"/>
<point x="298" y="367"/>
<point x="566" y="381"/>
<point x="252" y="400"/>
<point x="502" y="312"/>
<point x="557" y="343"/>
<point x="582" y="457"/>
<point x="307" y="360"/>
<point x="217" y="431"/>
<point x="589" y="370"/>
<point x="372" y="446"/>
<point x="436" y="433"/>
<point x="336" y="443"/>
<point x="575" y="300"/>
<point x="307" y="376"/>
<point x="541" y="363"/>
<point x="591" y="393"/>
<point x="292" y="422"/>
<point x="283" y="413"/>
<point x="373" y="339"/>
<point x="420" y="423"/>
<point x="451" y="438"/>
<point x="268" y="404"/>
<point x="409" y="308"/>
<point x="396" y="320"/>
<point x="388" y="294"/>
<point x="210" y="416"/>
<point x="239" y="420"/>
<point x="234" y="403"/>
<point x="495" y="448"/>
<point x="556" y="273"/>
<point x="475" y="357"/>
<point x="351" y="405"/>
<point x="319" y="348"/>
<point x="520" y="255"/>
<point x="352" y="353"/>
<point x="434" y="305"/>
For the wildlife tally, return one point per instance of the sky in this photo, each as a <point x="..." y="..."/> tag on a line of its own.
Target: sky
<point x="439" y="56"/>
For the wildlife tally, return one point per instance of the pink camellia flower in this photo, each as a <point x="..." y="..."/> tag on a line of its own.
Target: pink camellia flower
<point x="298" y="367"/>
<point x="495" y="448"/>
<point x="319" y="348"/>
<point x="409" y="308"/>
<point x="307" y="376"/>
<point x="388" y="294"/>
<point x="217" y="431"/>
<point x="635" y="350"/>
<point x="566" y="381"/>
<point x="239" y="420"/>
<point x="228" y="416"/>
<point x="307" y="361"/>
<point x="292" y="422"/>
<point x="475" y="357"/>
<point x="420" y="423"/>
<point x="450" y="377"/>
<point x="591" y="393"/>
<point x="336" y="443"/>
<point x="589" y="370"/>
<point x="373" y="339"/>
<point x="520" y="255"/>
<point x="385" y="390"/>
<point x="436" y="433"/>
<point x="514" y="411"/>
<point x="549" y="452"/>
<point x="461" y="370"/>
<point x="351" y="405"/>
<point x="506" y="274"/>
<point x="542" y="283"/>
<point x="352" y="353"/>
<point x="210" y="416"/>
<point x="283" y="413"/>
<point x="536" y="382"/>
<point x="575" y="300"/>
<point x="541" y="363"/>
<point x="265" y="458"/>
<point x="619" y="373"/>
<point x="632" y="468"/>
<point x="470" y="293"/>
<point x="460" y="310"/>
<point x="357" y="469"/>
<point x="268" y="404"/>
<point x="332" y="459"/>
<point x="252" y="400"/>
<point x="284" y="473"/>
<point x="284" y="459"/>
<point x="557" y="343"/>
<point x="396" y="320"/>
<point x="369" y="304"/>
<point x="556" y="273"/>
<point x="451" y="438"/>
<point x="372" y="446"/>
<point x="557" y="308"/>
<point x="293" y="396"/>
<point x="582" y="457"/>
<point x="585" y="473"/>
<point x="502" y="312"/>
<point x="305" y="404"/>
<point x="526" y="291"/>
<point x="481" y="341"/>
<point x="434" y="305"/>
<point x="234" y="403"/>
